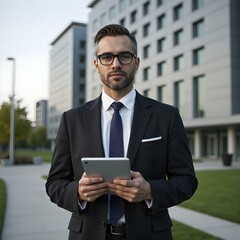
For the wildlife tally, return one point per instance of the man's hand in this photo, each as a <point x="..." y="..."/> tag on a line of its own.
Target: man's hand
<point x="91" y="188"/>
<point x="135" y="190"/>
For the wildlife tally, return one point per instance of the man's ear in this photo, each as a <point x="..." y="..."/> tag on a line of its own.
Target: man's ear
<point x="137" y="63"/>
<point x="96" y="65"/>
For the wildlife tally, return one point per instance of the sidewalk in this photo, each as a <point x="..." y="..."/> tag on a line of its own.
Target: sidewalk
<point x="31" y="216"/>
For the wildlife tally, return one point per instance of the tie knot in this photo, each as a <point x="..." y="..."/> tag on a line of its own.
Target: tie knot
<point x="116" y="106"/>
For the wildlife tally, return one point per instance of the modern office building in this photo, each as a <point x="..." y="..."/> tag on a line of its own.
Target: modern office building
<point x="67" y="74"/>
<point x="41" y="113"/>
<point x="190" y="58"/>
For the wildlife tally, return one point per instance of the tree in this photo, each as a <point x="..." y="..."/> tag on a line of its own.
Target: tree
<point x="38" y="138"/>
<point x="22" y="124"/>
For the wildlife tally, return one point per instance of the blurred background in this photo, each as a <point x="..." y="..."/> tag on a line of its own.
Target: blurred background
<point x="190" y="58"/>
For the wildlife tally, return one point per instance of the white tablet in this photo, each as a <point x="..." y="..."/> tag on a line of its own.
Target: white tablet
<point x="108" y="168"/>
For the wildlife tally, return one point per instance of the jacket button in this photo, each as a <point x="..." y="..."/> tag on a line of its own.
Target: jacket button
<point x="103" y="224"/>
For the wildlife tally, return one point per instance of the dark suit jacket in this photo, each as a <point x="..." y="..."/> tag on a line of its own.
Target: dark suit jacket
<point x="166" y="164"/>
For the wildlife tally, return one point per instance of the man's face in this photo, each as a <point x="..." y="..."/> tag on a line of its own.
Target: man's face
<point x="116" y="76"/>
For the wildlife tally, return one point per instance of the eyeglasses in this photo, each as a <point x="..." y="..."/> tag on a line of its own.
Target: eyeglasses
<point x="124" y="58"/>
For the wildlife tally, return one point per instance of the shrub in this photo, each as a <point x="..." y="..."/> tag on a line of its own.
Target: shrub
<point x="22" y="159"/>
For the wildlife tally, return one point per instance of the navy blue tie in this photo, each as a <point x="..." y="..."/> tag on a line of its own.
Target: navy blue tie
<point x="116" y="150"/>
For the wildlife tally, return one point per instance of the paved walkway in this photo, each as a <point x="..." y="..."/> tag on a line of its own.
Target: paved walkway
<point x="31" y="216"/>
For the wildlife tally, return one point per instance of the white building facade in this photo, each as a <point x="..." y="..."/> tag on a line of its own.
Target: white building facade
<point x="190" y="58"/>
<point x="67" y="74"/>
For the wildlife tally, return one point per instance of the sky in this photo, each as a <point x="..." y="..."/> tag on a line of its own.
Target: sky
<point x="27" y="27"/>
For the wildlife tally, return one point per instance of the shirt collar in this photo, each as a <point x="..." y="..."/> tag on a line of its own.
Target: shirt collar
<point x="128" y="100"/>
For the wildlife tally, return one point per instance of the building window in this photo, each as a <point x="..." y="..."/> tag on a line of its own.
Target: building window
<point x="179" y="96"/>
<point x="146" y="8"/>
<point x="133" y="17"/>
<point x="81" y="73"/>
<point x="178" y="37"/>
<point x="161" y="68"/>
<point x="103" y="18"/>
<point x="161" y="93"/>
<point x="199" y="96"/>
<point x="178" y="63"/>
<point x="146" y="73"/>
<point x="134" y="34"/>
<point x="146" y="93"/>
<point x="122" y="5"/>
<point x="161" y="45"/>
<point x="178" y="12"/>
<point x="198" y="28"/>
<point x="146" y="51"/>
<point x="197" y="4"/>
<point x="160" y="21"/>
<point x="122" y="22"/>
<point x="198" y="56"/>
<point x="133" y="2"/>
<point x="146" y="28"/>
<point x="81" y="101"/>
<point x="82" y="58"/>
<point x="95" y="24"/>
<point x="159" y="3"/>
<point x="112" y="12"/>
<point x="82" y="44"/>
<point x="81" y="88"/>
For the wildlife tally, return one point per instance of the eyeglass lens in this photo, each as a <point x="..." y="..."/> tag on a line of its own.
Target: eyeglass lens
<point x="123" y="58"/>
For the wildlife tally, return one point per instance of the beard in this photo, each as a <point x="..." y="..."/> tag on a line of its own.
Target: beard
<point x="118" y="83"/>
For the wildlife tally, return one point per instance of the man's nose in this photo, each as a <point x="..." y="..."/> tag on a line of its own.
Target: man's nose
<point x="116" y="62"/>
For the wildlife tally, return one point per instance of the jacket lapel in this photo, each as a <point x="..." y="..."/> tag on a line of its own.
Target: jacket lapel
<point x="92" y="121"/>
<point x="141" y="117"/>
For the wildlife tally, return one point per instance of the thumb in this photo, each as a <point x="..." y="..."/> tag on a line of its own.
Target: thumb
<point x="135" y="174"/>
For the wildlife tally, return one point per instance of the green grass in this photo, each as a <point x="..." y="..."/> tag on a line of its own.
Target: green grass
<point x="45" y="154"/>
<point x="2" y="204"/>
<point x="218" y="194"/>
<point x="183" y="232"/>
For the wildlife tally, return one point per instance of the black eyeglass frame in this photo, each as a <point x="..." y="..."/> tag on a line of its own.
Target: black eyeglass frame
<point x="133" y="55"/>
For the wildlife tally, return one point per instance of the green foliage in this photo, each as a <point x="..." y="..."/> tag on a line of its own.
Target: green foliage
<point x="22" y="124"/>
<point x="218" y="191"/>
<point x="38" y="138"/>
<point x="23" y="160"/>
<point x="18" y="159"/>
<point x="2" y="204"/>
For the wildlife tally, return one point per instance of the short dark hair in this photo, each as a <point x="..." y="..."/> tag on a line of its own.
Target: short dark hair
<point x="114" y="30"/>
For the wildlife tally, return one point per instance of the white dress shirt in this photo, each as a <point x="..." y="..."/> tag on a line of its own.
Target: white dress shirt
<point x="126" y="113"/>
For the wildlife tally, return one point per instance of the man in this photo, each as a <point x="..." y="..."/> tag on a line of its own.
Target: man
<point x="154" y="139"/>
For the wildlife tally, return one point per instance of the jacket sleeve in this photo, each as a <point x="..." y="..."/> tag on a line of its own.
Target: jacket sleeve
<point x="181" y="182"/>
<point x="61" y="185"/>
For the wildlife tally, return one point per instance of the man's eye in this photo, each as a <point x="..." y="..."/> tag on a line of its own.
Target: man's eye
<point x="107" y="57"/>
<point x="125" y="56"/>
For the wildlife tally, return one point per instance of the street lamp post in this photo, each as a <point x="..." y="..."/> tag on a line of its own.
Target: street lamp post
<point x="12" y="117"/>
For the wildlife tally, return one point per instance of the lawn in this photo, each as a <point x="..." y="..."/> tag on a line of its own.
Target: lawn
<point x="183" y="232"/>
<point x="45" y="154"/>
<point x="2" y="204"/>
<point x="218" y="194"/>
